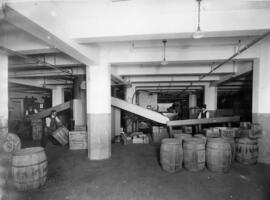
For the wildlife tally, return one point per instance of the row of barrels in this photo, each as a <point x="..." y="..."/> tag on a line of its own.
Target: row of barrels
<point x="217" y="154"/>
<point x="26" y="167"/>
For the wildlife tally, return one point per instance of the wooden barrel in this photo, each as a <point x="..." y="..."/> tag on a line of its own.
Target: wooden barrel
<point x="29" y="168"/>
<point x="171" y="155"/>
<point x="218" y="155"/>
<point x="182" y="136"/>
<point x="12" y="143"/>
<point x="61" y="135"/>
<point x="200" y="136"/>
<point x="232" y="143"/>
<point x="194" y="154"/>
<point x="247" y="150"/>
<point x="37" y="129"/>
<point x="3" y="131"/>
<point x="5" y="166"/>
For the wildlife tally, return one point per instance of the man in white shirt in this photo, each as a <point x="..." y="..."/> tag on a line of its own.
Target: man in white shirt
<point x="51" y="124"/>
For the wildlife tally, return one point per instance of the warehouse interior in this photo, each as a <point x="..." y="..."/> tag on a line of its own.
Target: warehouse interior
<point x="115" y="69"/>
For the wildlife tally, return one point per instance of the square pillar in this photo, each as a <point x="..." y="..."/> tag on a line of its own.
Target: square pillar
<point x="99" y="111"/>
<point x="261" y="99"/>
<point x="210" y="99"/>
<point x="57" y="96"/>
<point x="192" y="100"/>
<point x="3" y="90"/>
<point x="130" y="94"/>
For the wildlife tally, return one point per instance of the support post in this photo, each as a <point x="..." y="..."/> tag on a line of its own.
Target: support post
<point x="210" y="99"/>
<point x="3" y="91"/>
<point x="99" y="111"/>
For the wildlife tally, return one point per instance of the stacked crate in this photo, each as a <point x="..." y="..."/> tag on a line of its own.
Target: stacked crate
<point x="78" y="138"/>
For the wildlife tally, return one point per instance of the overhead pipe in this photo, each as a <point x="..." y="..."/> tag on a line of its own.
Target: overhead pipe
<point x="38" y="61"/>
<point x="237" y="53"/>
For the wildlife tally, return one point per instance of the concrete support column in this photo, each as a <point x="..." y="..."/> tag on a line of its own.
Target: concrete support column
<point x="99" y="111"/>
<point x="116" y="122"/>
<point x="192" y="100"/>
<point x="57" y="95"/>
<point x="79" y="115"/>
<point x="130" y="94"/>
<point x="3" y="90"/>
<point x="210" y="99"/>
<point x="261" y="99"/>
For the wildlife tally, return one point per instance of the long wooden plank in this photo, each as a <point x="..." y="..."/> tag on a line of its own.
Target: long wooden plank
<point x="138" y="110"/>
<point x="203" y="121"/>
<point x="47" y="112"/>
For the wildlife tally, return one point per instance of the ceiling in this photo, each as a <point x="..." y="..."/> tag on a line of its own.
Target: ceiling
<point x="67" y="35"/>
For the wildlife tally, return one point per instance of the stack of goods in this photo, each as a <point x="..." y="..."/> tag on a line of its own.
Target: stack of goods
<point x="218" y="155"/>
<point x="37" y="129"/>
<point x="9" y="143"/>
<point x="247" y="149"/>
<point x="77" y="140"/>
<point x="171" y="155"/>
<point x="247" y="129"/>
<point x="139" y="138"/>
<point x="29" y="168"/>
<point x="194" y="154"/>
<point x="134" y="138"/>
<point x="159" y="133"/>
<point x="216" y="148"/>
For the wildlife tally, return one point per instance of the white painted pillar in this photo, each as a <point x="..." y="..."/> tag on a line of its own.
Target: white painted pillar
<point x="192" y="100"/>
<point x="99" y="111"/>
<point x="57" y="95"/>
<point x="3" y="90"/>
<point x="261" y="98"/>
<point x="130" y="94"/>
<point x="210" y="99"/>
<point x="79" y="111"/>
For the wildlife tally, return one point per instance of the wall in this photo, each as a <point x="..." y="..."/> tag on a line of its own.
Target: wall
<point x="146" y="99"/>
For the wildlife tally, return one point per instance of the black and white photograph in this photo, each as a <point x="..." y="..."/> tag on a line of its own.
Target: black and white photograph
<point x="134" y="100"/>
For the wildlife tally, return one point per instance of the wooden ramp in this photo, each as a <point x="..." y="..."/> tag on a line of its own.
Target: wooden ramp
<point x="47" y="112"/>
<point x="216" y="120"/>
<point x="138" y="110"/>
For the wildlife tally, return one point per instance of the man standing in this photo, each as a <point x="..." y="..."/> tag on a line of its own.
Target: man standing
<point x="203" y="113"/>
<point x="51" y="124"/>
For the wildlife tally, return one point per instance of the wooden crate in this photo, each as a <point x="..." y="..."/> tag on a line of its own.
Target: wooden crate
<point x="228" y="132"/>
<point x="77" y="140"/>
<point x="211" y="132"/>
<point x="80" y="128"/>
<point x="159" y="133"/>
<point x="187" y="129"/>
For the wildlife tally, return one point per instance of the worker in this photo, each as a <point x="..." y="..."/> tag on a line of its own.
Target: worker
<point x="203" y="113"/>
<point x="51" y="124"/>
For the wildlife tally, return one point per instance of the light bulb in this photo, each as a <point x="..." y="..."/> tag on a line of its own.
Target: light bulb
<point x="198" y="34"/>
<point x="164" y="62"/>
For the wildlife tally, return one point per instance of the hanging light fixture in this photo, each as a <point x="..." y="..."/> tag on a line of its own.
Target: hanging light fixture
<point x="198" y="33"/>
<point x="164" y="61"/>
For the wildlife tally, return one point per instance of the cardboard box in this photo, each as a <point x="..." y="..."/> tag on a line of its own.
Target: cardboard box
<point x="77" y="140"/>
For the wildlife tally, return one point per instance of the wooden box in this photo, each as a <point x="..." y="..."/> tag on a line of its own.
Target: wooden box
<point x="79" y="128"/>
<point x="77" y="140"/>
<point x="159" y="133"/>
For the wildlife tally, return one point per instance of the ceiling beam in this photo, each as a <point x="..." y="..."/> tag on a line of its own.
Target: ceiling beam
<point x="242" y="71"/>
<point x="147" y="79"/>
<point x="54" y="37"/>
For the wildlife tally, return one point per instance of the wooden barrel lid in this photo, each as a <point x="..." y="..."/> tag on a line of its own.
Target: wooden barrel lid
<point x="29" y="151"/>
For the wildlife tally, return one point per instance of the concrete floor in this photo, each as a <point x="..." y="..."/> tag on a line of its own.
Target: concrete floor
<point x="134" y="173"/>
